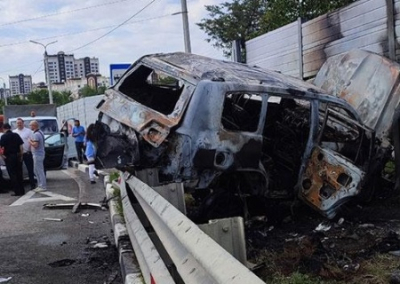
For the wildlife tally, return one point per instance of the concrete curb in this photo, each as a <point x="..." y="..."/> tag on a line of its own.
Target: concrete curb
<point x="130" y="269"/>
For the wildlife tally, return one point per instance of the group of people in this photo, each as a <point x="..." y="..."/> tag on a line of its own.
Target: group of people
<point x="24" y="145"/>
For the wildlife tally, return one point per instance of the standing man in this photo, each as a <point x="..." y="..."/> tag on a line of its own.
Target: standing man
<point x="79" y="133"/>
<point x="13" y="150"/>
<point x="37" y="146"/>
<point x="25" y="133"/>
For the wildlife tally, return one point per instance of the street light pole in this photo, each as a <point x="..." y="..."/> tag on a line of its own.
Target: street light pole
<point x="46" y="67"/>
<point x="4" y="91"/>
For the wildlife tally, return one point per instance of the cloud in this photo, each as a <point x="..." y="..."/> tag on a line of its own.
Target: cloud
<point x="151" y="31"/>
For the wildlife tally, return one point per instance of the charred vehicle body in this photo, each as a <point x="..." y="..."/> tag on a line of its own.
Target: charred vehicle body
<point x="229" y="129"/>
<point x="370" y="83"/>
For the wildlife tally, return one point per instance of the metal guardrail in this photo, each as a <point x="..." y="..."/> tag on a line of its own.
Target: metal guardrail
<point x="197" y="257"/>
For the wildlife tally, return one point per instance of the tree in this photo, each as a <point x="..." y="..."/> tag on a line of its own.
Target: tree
<point x="42" y="97"/>
<point x="17" y="100"/>
<point x="243" y="20"/>
<point x="238" y="20"/>
<point x="61" y="98"/>
<point x="101" y="90"/>
<point x="283" y="12"/>
<point x="39" y="97"/>
<point x="87" y="91"/>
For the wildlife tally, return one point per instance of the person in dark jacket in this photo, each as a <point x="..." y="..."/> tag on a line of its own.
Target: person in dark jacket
<point x="13" y="153"/>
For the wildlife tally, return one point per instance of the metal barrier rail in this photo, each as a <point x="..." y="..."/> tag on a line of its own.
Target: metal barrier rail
<point x="198" y="258"/>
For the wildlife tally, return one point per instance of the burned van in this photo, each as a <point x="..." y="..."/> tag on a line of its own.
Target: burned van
<point x="230" y="129"/>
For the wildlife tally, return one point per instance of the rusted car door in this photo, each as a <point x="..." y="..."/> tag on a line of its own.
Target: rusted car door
<point x="335" y="169"/>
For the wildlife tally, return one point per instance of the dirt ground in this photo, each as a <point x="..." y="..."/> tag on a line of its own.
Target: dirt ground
<point x="293" y="244"/>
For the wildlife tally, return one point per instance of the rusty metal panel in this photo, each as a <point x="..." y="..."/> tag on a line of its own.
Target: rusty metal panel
<point x="329" y="181"/>
<point x="366" y="81"/>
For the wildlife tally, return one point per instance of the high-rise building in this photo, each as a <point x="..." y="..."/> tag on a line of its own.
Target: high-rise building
<point x="20" y="84"/>
<point x="63" y="66"/>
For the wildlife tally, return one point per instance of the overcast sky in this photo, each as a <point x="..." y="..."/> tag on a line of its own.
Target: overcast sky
<point x="76" y="23"/>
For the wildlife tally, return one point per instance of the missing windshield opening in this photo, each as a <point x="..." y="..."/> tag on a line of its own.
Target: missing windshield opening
<point x="153" y="89"/>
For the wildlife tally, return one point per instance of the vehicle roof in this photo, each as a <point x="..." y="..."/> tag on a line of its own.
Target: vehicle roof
<point x="32" y="118"/>
<point x="196" y="68"/>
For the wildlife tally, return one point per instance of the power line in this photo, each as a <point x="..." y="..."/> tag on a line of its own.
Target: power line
<point x="19" y="67"/>
<point x="85" y="31"/>
<point x="107" y="33"/>
<point x="60" y="13"/>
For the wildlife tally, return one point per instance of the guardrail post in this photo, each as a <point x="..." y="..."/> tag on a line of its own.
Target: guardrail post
<point x="229" y="234"/>
<point x="174" y="194"/>
<point x="148" y="176"/>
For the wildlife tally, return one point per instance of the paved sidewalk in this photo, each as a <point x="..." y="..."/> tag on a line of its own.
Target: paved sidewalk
<point x="35" y="250"/>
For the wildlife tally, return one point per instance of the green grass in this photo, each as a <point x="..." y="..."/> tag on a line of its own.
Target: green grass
<point x="297" y="278"/>
<point x="374" y="270"/>
<point x="117" y="197"/>
<point x="114" y="176"/>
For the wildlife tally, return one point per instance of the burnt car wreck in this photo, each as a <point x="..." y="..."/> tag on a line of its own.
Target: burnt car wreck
<point x="231" y="130"/>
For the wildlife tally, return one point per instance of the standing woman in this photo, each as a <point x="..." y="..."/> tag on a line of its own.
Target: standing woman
<point x="90" y="152"/>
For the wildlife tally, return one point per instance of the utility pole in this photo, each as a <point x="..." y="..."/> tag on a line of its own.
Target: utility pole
<point x="3" y="91"/>
<point x="46" y="67"/>
<point x="185" y="22"/>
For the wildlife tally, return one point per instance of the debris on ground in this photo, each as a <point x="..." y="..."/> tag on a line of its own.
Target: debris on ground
<point x="74" y="206"/>
<point x="53" y="219"/>
<point x="100" y="245"/>
<point x="3" y="280"/>
<point x="62" y="263"/>
<point x="323" y="227"/>
<point x="363" y="249"/>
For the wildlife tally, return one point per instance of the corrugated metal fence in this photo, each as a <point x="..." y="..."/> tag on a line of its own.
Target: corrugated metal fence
<point x="82" y="109"/>
<point x="299" y="49"/>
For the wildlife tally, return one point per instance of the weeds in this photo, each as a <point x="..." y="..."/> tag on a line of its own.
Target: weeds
<point x="114" y="176"/>
<point x="117" y="197"/>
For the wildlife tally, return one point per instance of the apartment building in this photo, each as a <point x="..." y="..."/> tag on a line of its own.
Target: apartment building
<point x="63" y="66"/>
<point x="20" y="84"/>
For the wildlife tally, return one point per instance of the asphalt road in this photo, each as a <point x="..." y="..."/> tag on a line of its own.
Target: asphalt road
<point x="34" y="250"/>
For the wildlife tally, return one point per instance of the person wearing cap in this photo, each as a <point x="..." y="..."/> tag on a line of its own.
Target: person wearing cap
<point x="12" y="151"/>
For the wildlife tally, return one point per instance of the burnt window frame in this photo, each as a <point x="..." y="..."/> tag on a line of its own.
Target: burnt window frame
<point x="139" y="74"/>
<point x="261" y="118"/>
<point x="325" y="108"/>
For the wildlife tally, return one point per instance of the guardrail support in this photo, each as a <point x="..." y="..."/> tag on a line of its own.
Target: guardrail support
<point x="228" y="233"/>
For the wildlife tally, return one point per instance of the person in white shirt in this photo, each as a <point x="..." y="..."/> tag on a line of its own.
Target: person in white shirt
<point x="25" y="133"/>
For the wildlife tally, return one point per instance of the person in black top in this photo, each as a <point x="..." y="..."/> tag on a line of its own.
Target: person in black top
<point x="13" y="151"/>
